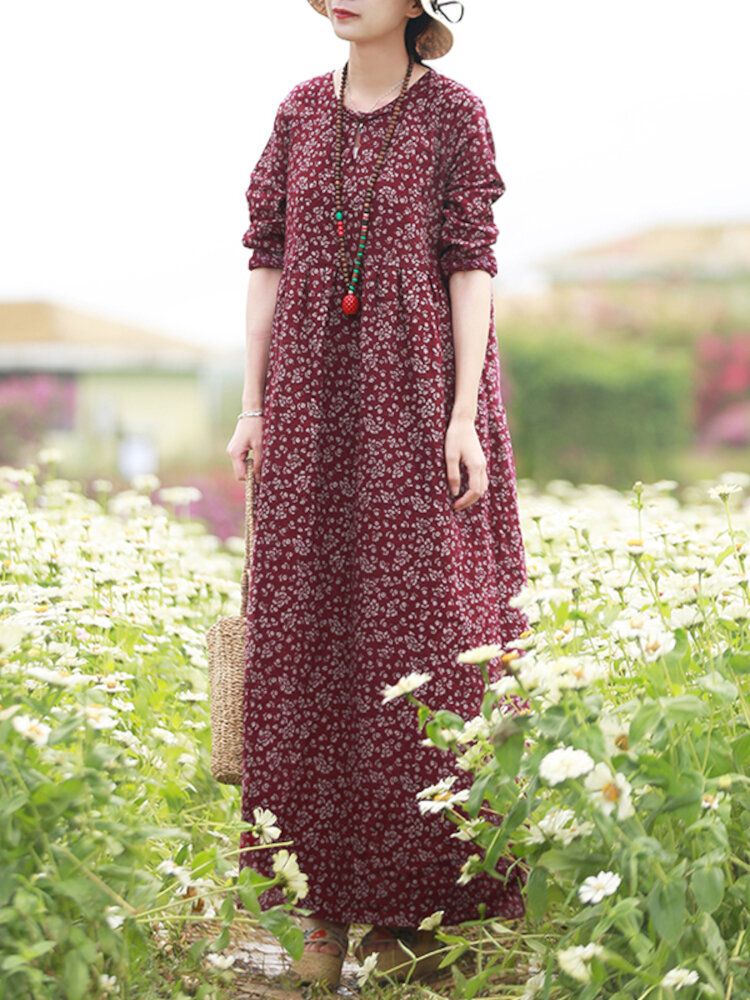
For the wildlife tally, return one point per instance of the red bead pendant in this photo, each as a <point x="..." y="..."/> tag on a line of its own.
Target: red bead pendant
<point x="350" y="304"/>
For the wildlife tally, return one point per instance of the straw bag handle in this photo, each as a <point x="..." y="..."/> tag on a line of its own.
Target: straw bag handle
<point x="249" y="484"/>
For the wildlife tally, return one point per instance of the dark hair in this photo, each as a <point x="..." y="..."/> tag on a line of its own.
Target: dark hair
<point x="414" y="28"/>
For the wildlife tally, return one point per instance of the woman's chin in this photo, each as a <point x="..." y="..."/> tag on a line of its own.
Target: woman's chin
<point x="346" y="30"/>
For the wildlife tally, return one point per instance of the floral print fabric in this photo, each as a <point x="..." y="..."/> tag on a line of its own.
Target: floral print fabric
<point x="361" y="570"/>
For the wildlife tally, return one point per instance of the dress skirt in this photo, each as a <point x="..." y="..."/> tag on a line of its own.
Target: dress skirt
<point x="361" y="570"/>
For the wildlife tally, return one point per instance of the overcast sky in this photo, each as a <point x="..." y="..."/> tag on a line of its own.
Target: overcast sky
<point x="130" y="130"/>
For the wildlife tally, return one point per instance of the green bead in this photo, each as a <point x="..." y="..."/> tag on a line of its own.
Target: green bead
<point x="339" y="215"/>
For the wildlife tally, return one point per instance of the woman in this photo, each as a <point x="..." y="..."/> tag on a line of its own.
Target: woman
<point x="386" y="529"/>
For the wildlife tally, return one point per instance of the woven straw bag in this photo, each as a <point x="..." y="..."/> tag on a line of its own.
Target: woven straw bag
<point x="225" y="641"/>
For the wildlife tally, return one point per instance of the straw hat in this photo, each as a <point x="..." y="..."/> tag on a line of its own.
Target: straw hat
<point x="436" y="39"/>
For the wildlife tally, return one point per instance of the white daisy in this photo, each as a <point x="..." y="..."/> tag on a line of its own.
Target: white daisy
<point x="533" y="986"/>
<point x="563" y="763"/>
<point x="677" y="978"/>
<point x="470" y="868"/>
<point x="220" y="961"/>
<point x="596" y="887"/>
<point x="265" y="825"/>
<point x="434" y="920"/>
<point x="576" y="961"/>
<point x="286" y="868"/>
<point x="438" y="797"/>
<point x="367" y="968"/>
<point x="724" y="490"/>
<point x="480" y="654"/>
<point x="100" y="716"/>
<point x="610" y="791"/>
<point x="34" y="730"/>
<point x="405" y="685"/>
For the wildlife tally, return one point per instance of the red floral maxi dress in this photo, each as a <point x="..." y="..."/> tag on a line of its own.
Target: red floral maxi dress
<point x="361" y="570"/>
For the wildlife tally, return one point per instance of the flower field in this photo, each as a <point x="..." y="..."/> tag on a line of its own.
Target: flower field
<point x="622" y="789"/>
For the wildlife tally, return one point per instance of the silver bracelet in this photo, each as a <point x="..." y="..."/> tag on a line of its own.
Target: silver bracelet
<point x="250" y="413"/>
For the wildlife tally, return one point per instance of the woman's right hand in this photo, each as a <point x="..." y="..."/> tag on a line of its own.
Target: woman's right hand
<point x="248" y="436"/>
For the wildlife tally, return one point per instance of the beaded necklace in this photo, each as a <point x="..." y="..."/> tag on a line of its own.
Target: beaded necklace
<point x="350" y="303"/>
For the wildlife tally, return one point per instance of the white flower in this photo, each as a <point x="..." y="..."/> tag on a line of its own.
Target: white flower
<point x="99" y="716"/>
<point x="596" y="887"/>
<point x="469" y="829"/>
<point x="677" y="978"/>
<point x="46" y="456"/>
<point x="108" y="984"/>
<point x="59" y="678"/>
<point x="145" y="482"/>
<point x="220" y="961"/>
<point x="265" y="826"/>
<point x="434" y="920"/>
<point x="533" y="986"/>
<point x="575" y="672"/>
<point x="192" y="696"/>
<point x="367" y="968"/>
<point x="576" y="960"/>
<point x="110" y="685"/>
<point x="12" y="631"/>
<point x="560" y="825"/>
<point x="474" y="729"/>
<point x="656" y="643"/>
<point x="286" y="868"/>
<point x="685" y="616"/>
<point x="709" y="800"/>
<point x="506" y="685"/>
<point x="438" y="797"/>
<point x="469" y="869"/>
<point x="563" y="763"/>
<point x="114" y="917"/>
<point x="165" y="735"/>
<point x="480" y="654"/>
<point x="616" y="733"/>
<point x="610" y="791"/>
<point x="724" y="490"/>
<point x="179" y="495"/>
<point x="33" y="729"/>
<point x="405" y="685"/>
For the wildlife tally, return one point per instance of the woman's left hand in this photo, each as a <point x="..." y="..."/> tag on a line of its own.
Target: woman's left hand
<point x="462" y="445"/>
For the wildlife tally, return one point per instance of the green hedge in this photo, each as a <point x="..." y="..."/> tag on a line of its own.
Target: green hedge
<point x="597" y="412"/>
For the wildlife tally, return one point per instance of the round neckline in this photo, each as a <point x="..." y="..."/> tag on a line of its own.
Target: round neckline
<point x="384" y="107"/>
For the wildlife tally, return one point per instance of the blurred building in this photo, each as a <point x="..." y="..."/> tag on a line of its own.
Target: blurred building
<point x="113" y="396"/>
<point x="670" y="281"/>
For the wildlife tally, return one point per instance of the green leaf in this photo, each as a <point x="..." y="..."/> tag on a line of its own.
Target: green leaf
<point x="13" y="803"/>
<point x="453" y="954"/>
<point x="741" y="748"/>
<point x="644" y="721"/>
<point x="284" y="929"/>
<point x="75" y="977"/>
<point x="537" y="892"/>
<point x="666" y="905"/>
<point x="711" y="934"/>
<point x="508" y="744"/>
<point x="683" y="708"/>
<point x="476" y="794"/>
<point x="472" y="986"/>
<point x="553" y="723"/>
<point x="707" y="885"/>
<point x="714" y="683"/>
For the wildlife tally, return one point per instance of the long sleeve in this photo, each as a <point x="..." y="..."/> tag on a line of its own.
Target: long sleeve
<point x="266" y="198"/>
<point x="468" y="232"/>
